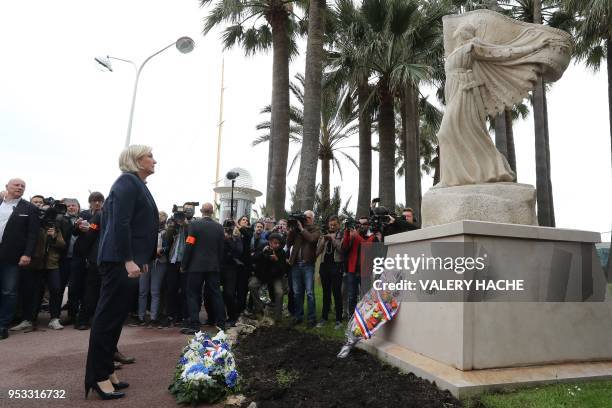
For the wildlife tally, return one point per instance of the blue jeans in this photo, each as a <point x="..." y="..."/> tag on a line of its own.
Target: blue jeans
<point x="303" y="280"/>
<point x="353" y="281"/>
<point x="9" y="284"/>
<point x="151" y="282"/>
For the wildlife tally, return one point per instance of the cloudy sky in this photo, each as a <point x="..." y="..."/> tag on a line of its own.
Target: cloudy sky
<point x="63" y="121"/>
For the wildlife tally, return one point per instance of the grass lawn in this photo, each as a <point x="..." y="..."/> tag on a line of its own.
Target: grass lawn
<point x="596" y="394"/>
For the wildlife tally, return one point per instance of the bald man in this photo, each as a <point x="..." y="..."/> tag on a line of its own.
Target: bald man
<point x="202" y="263"/>
<point x="19" y="225"/>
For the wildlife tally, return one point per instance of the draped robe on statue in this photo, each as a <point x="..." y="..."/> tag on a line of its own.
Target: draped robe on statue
<point x="481" y="79"/>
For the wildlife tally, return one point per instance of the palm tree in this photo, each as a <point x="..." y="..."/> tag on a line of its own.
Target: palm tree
<point x="338" y="125"/>
<point x="312" y="103"/>
<point x="246" y="29"/>
<point x="350" y="34"/>
<point x="593" y="31"/>
<point x="388" y="23"/>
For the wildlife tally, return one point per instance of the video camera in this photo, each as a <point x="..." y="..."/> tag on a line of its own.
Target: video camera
<point x="179" y="212"/>
<point x="379" y="219"/>
<point x="292" y="220"/>
<point x="50" y="211"/>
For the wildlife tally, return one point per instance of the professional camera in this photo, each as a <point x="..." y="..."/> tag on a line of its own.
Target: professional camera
<point x="292" y="220"/>
<point x="350" y="223"/>
<point x="267" y="251"/>
<point x="379" y="218"/>
<point x="50" y="211"/>
<point x="179" y="212"/>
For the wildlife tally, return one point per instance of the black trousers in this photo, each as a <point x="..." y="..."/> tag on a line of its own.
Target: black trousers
<point x="111" y="312"/>
<point x="76" y="284"/>
<point x="212" y="294"/>
<point x="175" y="294"/>
<point x="229" y="278"/>
<point x="290" y="294"/>
<point x="33" y="285"/>
<point x="92" y="294"/>
<point x="243" y="274"/>
<point x="331" y="282"/>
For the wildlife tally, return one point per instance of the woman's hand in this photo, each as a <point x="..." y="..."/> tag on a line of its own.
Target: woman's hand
<point x="132" y="269"/>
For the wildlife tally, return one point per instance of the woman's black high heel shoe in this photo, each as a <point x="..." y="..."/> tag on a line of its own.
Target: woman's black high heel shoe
<point x="120" y="385"/>
<point x="102" y="394"/>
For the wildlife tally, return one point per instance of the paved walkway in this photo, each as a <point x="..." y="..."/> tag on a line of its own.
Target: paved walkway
<point x="48" y="359"/>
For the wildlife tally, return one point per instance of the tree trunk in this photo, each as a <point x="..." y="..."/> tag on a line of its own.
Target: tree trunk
<point x="609" y="66"/>
<point x="436" y="177"/>
<point x="551" y="201"/>
<point x="325" y="185"/>
<point x="364" y="195"/>
<point x="541" y="159"/>
<point x="543" y="188"/>
<point x="501" y="140"/>
<point x="412" y="157"/>
<point x="307" y="178"/>
<point x="386" y="159"/>
<point x="510" y="142"/>
<point x="279" y="132"/>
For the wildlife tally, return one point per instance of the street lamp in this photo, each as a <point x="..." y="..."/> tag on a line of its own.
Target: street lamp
<point x="232" y="175"/>
<point x="184" y="44"/>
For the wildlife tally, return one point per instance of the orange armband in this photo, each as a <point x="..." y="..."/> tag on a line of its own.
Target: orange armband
<point x="191" y="240"/>
<point x="94" y="227"/>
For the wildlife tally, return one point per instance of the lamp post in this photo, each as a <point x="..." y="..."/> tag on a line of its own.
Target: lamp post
<point x="232" y="175"/>
<point x="184" y="44"/>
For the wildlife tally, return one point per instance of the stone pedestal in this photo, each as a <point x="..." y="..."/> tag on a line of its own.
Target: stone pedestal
<point x="465" y="345"/>
<point x="511" y="203"/>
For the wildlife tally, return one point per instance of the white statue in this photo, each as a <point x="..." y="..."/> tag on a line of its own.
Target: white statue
<point x="492" y="63"/>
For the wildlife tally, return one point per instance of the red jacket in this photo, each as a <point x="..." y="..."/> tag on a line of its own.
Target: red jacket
<point x="351" y="242"/>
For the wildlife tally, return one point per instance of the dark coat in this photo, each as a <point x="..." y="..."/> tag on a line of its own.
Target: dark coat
<point x="20" y="233"/>
<point x="267" y="270"/>
<point x="129" y="223"/>
<point x="205" y="245"/>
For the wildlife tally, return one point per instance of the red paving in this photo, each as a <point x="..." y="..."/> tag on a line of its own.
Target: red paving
<point x="55" y="360"/>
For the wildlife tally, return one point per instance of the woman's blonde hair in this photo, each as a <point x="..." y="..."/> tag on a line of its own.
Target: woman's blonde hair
<point x="128" y="159"/>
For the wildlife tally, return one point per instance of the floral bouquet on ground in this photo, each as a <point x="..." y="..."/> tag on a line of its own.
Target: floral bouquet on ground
<point x="206" y="371"/>
<point x="371" y="313"/>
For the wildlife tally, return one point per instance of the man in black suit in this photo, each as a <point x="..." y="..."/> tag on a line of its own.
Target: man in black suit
<point x="202" y="263"/>
<point x="19" y="224"/>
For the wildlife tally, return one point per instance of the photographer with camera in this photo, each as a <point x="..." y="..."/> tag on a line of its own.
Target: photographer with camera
<point x="73" y="265"/>
<point x="329" y="248"/>
<point x="383" y="223"/>
<point x="302" y="241"/>
<point x="89" y="241"/>
<point x="352" y="245"/>
<point x="44" y="267"/>
<point x="270" y="268"/>
<point x="19" y="226"/>
<point x="176" y="291"/>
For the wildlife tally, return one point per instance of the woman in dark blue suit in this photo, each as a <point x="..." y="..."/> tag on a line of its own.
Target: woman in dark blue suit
<point x="128" y="242"/>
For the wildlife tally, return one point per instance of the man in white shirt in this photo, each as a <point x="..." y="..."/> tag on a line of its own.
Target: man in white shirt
<point x="19" y="225"/>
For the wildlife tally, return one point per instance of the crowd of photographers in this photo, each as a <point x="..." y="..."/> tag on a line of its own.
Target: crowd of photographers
<point x="261" y="263"/>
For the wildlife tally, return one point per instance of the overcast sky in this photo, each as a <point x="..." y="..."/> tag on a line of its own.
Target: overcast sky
<point x="63" y="121"/>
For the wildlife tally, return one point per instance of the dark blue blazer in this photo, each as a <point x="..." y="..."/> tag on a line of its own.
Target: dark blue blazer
<point x="129" y="223"/>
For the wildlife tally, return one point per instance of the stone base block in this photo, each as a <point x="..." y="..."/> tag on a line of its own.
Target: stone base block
<point x="510" y="203"/>
<point x="464" y="383"/>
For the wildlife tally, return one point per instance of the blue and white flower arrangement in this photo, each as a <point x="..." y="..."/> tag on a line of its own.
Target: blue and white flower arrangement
<point x="206" y="371"/>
